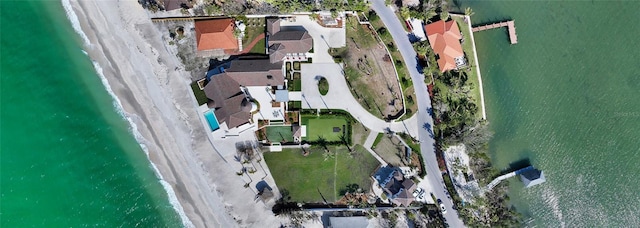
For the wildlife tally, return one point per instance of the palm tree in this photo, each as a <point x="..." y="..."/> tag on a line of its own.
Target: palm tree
<point x="444" y="15"/>
<point x="468" y="11"/>
<point x="429" y="14"/>
<point x="422" y="48"/>
<point x="322" y="142"/>
<point x="343" y="138"/>
<point x="405" y="13"/>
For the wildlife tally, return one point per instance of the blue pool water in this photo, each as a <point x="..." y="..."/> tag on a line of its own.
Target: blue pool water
<point x="211" y="118"/>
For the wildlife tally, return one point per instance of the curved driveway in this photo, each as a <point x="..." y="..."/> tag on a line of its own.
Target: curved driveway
<point x="339" y="97"/>
<point x="427" y="142"/>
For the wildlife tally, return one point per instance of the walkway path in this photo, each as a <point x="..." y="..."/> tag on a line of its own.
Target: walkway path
<point x="248" y="48"/>
<point x="369" y="143"/>
<point x="425" y="121"/>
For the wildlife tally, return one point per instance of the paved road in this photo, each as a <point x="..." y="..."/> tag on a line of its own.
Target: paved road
<point x="425" y="121"/>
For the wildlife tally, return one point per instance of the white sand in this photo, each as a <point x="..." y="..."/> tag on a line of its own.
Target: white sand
<point x="154" y="91"/>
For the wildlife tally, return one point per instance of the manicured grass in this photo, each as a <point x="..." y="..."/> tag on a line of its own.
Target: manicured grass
<point x="467" y="47"/>
<point x="304" y="177"/>
<point x="323" y="86"/>
<point x="255" y="27"/>
<point x="259" y="48"/>
<point x="295" y="105"/>
<point x="322" y="127"/>
<point x="378" y="138"/>
<point x="296" y="83"/>
<point x="296" y="65"/>
<point x="279" y="133"/>
<point x="287" y="66"/>
<point x="201" y="97"/>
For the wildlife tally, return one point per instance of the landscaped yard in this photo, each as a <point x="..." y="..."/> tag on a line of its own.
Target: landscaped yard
<point x="329" y="128"/>
<point x="260" y="47"/>
<point x="296" y="83"/>
<point x="467" y="47"/>
<point x="255" y="27"/>
<point x="279" y="133"/>
<point x="201" y="97"/>
<point x="305" y="178"/>
<point x="323" y="86"/>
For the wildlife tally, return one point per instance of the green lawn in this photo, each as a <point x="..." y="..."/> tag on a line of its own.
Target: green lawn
<point x="259" y="48"/>
<point x="323" y="86"/>
<point x="279" y="133"/>
<point x="467" y="47"/>
<point x="306" y="177"/>
<point x="255" y="27"/>
<point x="296" y="65"/>
<point x="378" y="138"/>
<point x="296" y="83"/>
<point x="295" y="105"/>
<point x="323" y="126"/>
<point x="201" y="97"/>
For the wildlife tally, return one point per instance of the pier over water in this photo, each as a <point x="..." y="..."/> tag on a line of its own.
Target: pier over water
<point x="529" y="175"/>
<point x="511" y="28"/>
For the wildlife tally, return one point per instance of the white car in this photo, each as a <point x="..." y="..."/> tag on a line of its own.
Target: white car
<point x="442" y="208"/>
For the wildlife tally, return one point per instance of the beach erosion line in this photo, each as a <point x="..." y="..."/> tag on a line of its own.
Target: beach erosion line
<point x="117" y="104"/>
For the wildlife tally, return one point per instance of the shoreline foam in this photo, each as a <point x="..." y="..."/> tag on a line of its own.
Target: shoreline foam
<point x="117" y="104"/>
<point x="150" y="90"/>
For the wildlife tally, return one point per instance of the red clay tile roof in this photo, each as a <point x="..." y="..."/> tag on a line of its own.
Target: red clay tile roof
<point x="444" y="38"/>
<point x="216" y="34"/>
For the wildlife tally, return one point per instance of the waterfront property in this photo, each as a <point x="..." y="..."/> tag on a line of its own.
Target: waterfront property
<point x="216" y="35"/>
<point x="444" y="38"/>
<point x="396" y="187"/>
<point x="246" y="89"/>
<point x="315" y="177"/>
<point x="531" y="176"/>
<point x="511" y="27"/>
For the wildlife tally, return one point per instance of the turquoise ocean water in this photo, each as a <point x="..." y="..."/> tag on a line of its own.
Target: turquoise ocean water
<point x="68" y="159"/>
<point x="566" y="97"/>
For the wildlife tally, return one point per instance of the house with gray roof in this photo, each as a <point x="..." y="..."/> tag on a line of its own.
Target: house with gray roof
<point x="395" y="186"/>
<point x="229" y="83"/>
<point x="531" y="177"/>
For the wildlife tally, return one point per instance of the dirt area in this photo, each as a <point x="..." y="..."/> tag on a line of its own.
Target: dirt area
<point x="370" y="72"/>
<point x="359" y="133"/>
<point x="183" y="44"/>
<point x="391" y="150"/>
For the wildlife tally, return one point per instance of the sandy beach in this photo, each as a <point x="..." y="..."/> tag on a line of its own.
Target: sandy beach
<point x="152" y="87"/>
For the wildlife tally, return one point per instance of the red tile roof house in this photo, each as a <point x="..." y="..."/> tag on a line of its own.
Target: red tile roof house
<point x="444" y="38"/>
<point x="216" y="35"/>
<point x="224" y="88"/>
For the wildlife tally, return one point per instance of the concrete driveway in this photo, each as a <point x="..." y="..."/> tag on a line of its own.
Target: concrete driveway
<point x="427" y="143"/>
<point x="323" y="38"/>
<point x="340" y="97"/>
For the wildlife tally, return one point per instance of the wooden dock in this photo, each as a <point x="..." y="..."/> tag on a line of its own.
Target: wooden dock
<point x="511" y="28"/>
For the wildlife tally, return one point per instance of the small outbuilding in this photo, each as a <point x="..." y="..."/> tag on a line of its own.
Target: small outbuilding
<point x="532" y="177"/>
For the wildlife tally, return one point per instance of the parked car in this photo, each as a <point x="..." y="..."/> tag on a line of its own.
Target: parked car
<point x="442" y="208"/>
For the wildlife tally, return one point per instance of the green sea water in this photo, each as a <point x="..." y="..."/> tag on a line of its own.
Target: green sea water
<point x="566" y="97"/>
<point x="68" y="159"/>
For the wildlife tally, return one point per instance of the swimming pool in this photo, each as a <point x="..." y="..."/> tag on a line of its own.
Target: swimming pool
<point x="211" y="118"/>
